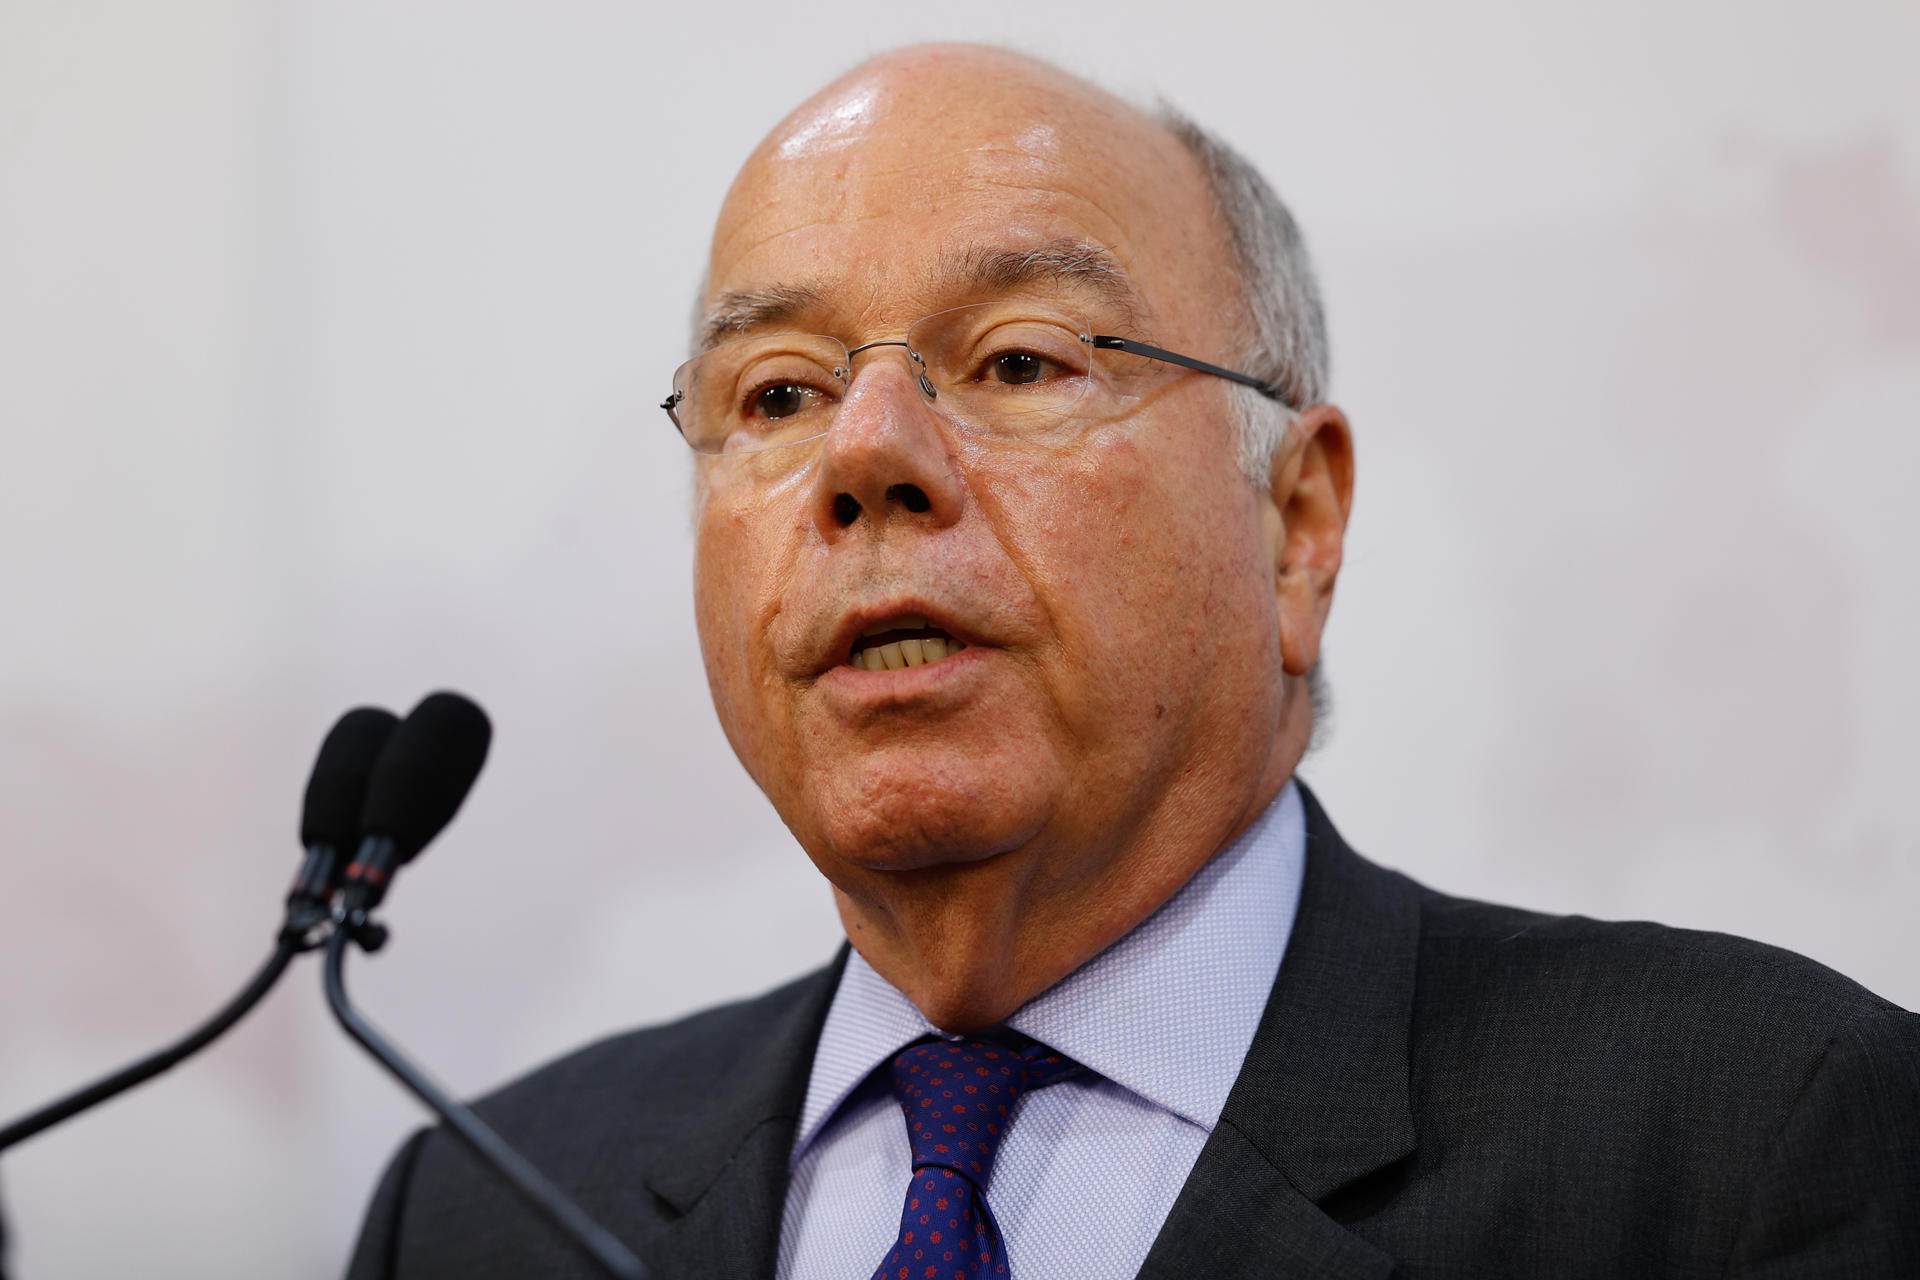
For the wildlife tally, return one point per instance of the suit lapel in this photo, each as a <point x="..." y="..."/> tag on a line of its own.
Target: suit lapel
<point x="1238" y="1216"/>
<point x="1322" y="1099"/>
<point x="721" y="1184"/>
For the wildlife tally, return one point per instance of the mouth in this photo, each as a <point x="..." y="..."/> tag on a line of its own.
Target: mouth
<point x="896" y="643"/>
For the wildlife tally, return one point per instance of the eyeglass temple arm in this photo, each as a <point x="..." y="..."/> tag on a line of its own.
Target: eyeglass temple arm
<point x="1107" y="342"/>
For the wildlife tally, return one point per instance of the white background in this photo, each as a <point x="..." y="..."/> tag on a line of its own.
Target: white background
<point x="330" y="339"/>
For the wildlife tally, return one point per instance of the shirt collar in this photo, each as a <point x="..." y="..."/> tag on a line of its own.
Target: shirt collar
<point x="1167" y="1012"/>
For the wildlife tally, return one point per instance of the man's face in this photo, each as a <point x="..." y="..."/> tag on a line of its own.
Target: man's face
<point x="1113" y="583"/>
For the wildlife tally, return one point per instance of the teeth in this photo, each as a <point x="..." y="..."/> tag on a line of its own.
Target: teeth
<point x="905" y="653"/>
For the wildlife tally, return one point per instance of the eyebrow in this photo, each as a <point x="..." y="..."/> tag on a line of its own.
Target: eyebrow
<point x="744" y="310"/>
<point x="1080" y="264"/>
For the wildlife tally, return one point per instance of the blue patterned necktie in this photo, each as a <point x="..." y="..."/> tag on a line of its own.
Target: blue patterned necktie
<point x="958" y="1096"/>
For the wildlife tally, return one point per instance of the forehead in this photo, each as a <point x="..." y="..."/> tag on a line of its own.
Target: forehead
<point x="873" y="197"/>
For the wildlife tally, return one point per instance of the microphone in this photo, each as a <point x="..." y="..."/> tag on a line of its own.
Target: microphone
<point x="418" y="783"/>
<point x="335" y="787"/>
<point x="423" y="773"/>
<point x="330" y="818"/>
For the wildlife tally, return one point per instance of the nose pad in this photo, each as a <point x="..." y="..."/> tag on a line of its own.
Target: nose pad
<point x="919" y="364"/>
<point x="920" y="373"/>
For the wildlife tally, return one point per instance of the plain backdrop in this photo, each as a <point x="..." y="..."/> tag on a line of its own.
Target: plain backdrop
<point x="331" y="336"/>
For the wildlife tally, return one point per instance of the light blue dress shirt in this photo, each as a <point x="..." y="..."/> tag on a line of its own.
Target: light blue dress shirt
<point x="1090" y="1166"/>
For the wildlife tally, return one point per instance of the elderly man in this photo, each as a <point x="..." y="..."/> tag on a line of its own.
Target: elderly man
<point x="1019" y="515"/>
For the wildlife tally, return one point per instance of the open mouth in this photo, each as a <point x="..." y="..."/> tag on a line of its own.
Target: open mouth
<point x="902" y="642"/>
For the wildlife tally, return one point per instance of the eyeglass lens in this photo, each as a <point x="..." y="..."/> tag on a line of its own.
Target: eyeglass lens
<point x="998" y="366"/>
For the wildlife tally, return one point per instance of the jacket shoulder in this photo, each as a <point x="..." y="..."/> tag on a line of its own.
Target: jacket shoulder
<point x="1652" y="1046"/>
<point x="1666" y="1100"/>
<point x="644" y="1071"/>
<point x="600" y="1122"/>
<point x="1734" y="982"/>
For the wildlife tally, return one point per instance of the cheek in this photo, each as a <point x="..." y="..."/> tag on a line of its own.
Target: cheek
<point x="736" y="592"/>
<point x="1150" y="567"/>
<point x="720" y="541"/>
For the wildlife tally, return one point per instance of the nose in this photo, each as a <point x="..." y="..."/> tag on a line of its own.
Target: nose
<point x="885" y="460"/>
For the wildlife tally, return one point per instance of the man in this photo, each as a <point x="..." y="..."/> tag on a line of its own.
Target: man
<point x="1019" y="514"/>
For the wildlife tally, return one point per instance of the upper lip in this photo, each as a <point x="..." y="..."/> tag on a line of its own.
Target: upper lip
<point x="857" y="621"/>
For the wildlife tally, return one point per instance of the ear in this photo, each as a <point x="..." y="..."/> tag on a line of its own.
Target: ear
<point x="1310" y="493"/>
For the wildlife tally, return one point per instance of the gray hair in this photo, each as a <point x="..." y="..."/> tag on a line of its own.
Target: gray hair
<point x="1288" y="340"/>
<point x="1287" y="344"/>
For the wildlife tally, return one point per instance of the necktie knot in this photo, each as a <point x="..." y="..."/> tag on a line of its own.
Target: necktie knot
<point x="958" y="1096"/>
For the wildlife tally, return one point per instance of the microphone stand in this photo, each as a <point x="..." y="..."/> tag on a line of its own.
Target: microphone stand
<point x="289" y="945"/>
<point x="611" y="1256"/>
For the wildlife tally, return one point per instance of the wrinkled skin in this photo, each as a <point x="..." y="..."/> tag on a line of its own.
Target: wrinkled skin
<point x="1139" y="616"/>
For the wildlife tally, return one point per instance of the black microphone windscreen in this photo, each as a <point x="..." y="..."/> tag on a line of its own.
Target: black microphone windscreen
<point x="425" y="771"/>
<point x="337" y="788"/>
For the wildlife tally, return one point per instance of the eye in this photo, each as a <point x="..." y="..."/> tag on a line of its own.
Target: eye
<point x="1024" y="353"/>
<point x="1017" y="368"/>
<point x="781" y="400"/>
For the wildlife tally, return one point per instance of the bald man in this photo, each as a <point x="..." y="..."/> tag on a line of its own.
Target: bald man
<point x="1019" y="512"/>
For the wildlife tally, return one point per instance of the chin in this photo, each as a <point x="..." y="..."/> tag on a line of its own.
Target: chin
<point x="921" y="813"/>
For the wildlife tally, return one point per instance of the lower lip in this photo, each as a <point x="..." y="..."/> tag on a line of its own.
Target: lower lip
<point x="858" y="686"/>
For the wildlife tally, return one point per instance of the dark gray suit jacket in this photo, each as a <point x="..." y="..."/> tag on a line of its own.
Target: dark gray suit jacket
<point x="1438" y="1088"/>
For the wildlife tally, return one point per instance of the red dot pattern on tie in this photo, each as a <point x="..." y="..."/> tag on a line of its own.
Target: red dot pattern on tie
<point x="958" y="1096"/>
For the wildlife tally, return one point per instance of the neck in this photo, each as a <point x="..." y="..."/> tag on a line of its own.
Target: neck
<point x="970" y="943"/>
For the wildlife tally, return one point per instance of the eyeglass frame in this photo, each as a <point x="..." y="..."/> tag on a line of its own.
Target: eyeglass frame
<point x="1098" y="341"/>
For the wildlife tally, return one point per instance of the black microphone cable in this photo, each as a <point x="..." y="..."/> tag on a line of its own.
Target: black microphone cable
<point x="147" y="1068"/>
<point x="417" y="786"/>
<point x="330" y="820"/>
